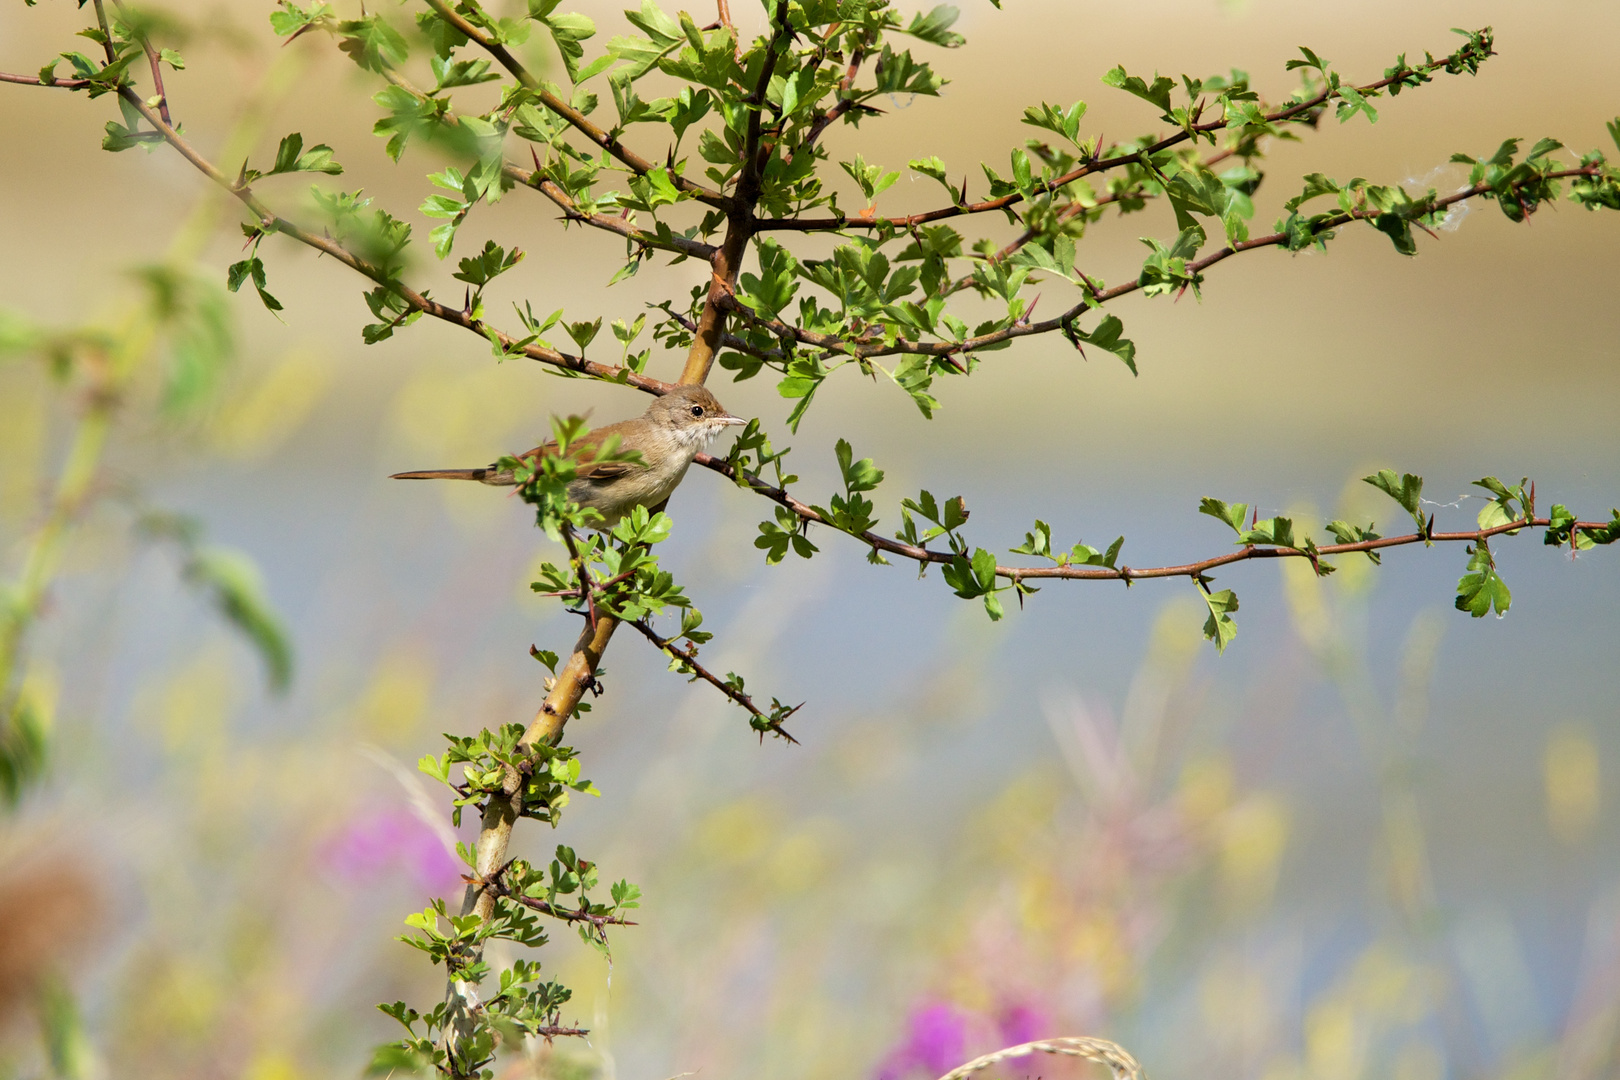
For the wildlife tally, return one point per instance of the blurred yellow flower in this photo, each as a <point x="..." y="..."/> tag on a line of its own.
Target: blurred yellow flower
<point x="255" y="422"/>
<point x="395" y="702"/>
<point x="1253" y="837"/>
<point x="1571" y="773"/>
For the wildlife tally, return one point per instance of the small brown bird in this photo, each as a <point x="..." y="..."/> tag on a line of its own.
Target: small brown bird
<point x="667" y="436"/>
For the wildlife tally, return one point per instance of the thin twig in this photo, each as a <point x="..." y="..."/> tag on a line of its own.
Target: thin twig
<point x="499" y="888"/>
<point x="106" y="32"/>
<point x="689" y="658"/>
<point x="273" y="222"/>
<point x="747" y="190"/>
<point x="575" y="119"/>
<point x="537" y="181"/>
<point x="1074" y="209"/>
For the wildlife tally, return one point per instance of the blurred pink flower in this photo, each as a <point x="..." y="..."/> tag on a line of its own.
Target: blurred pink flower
<point x="390" y="840"/>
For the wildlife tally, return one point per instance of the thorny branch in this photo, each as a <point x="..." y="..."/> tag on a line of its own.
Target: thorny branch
<point x="1100" y="164"/>
<point x="1196" y="570"/>
<point x="496" y="885"/>
<point x="871" y="346"/>
<point x="537" y="181"/>
<point x="688" y="657"/>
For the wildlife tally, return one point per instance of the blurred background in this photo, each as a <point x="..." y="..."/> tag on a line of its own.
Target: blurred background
<point x="1375" y="838"/>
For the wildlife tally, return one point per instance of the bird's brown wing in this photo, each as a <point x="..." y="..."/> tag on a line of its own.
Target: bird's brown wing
<point x="588" y="444"/>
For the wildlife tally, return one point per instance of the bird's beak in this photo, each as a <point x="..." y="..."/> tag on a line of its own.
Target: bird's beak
<point x="728" y="421"/>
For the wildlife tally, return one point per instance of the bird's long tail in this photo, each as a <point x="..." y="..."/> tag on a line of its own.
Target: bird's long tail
<point x="444" y="474"/>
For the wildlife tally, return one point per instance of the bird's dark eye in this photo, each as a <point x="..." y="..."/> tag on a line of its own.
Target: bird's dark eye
<point x="697" y="410"/>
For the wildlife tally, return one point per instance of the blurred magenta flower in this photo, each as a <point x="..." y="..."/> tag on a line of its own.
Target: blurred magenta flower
<point x="940" y="1036"/>
<point x="391" y="840"/>
<point x="1020" y="1024"/>
<point x="934" y="1043"/>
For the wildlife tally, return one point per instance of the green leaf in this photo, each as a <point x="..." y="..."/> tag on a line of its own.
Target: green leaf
<point x="568" y="29"/>
<point x="935" y="27"/>
<point x="291" y="19"/>
<point x="1059" y="121"/>
<point x="487" y="264"/>
<point x="292" y="157"/>
<point x="1405" y="489"/>
<point x="638" y="55"/>
<point x="872" y="179"/>
<point x="372" y="43"/>
<point x="776" y="284"/>
<point x="1219" y="627"/>
<point x="1501" y="509"/>
<point x="1107" y="336"/>
<point x="1231" y="513"/>
<point x="859" y="475"/>
<point x="1158" y="93"/>
<point x="583" y="333"/>
<point x="253" y="268"/>
<point x="1481" y="589"/>
<point x="24" y="743"/>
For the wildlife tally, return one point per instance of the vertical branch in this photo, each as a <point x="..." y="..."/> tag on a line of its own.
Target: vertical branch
<point x="106" y="32"/>
<point x="727" y="262"/>
<point x="155" y="61"/>
<point x="711" y="324"/>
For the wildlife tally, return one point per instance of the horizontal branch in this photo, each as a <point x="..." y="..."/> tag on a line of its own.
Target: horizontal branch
<point x="273" y="222"/>
<point x="922" y="554"/>
<point x="732" y="341"/>
<point x="1091" y="167"/>
<point x="35" y="80"/>
<point x="575" y="119"/>
<point x="870" y="346"/>
<point x="681" y="245"/>
<point x="1074" y="209"/>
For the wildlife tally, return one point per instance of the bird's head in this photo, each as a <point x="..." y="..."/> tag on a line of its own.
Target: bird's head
<point x="692" y="414"/>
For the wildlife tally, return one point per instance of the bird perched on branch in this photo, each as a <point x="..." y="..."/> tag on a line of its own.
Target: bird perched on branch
<point x="667" y="436"/>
